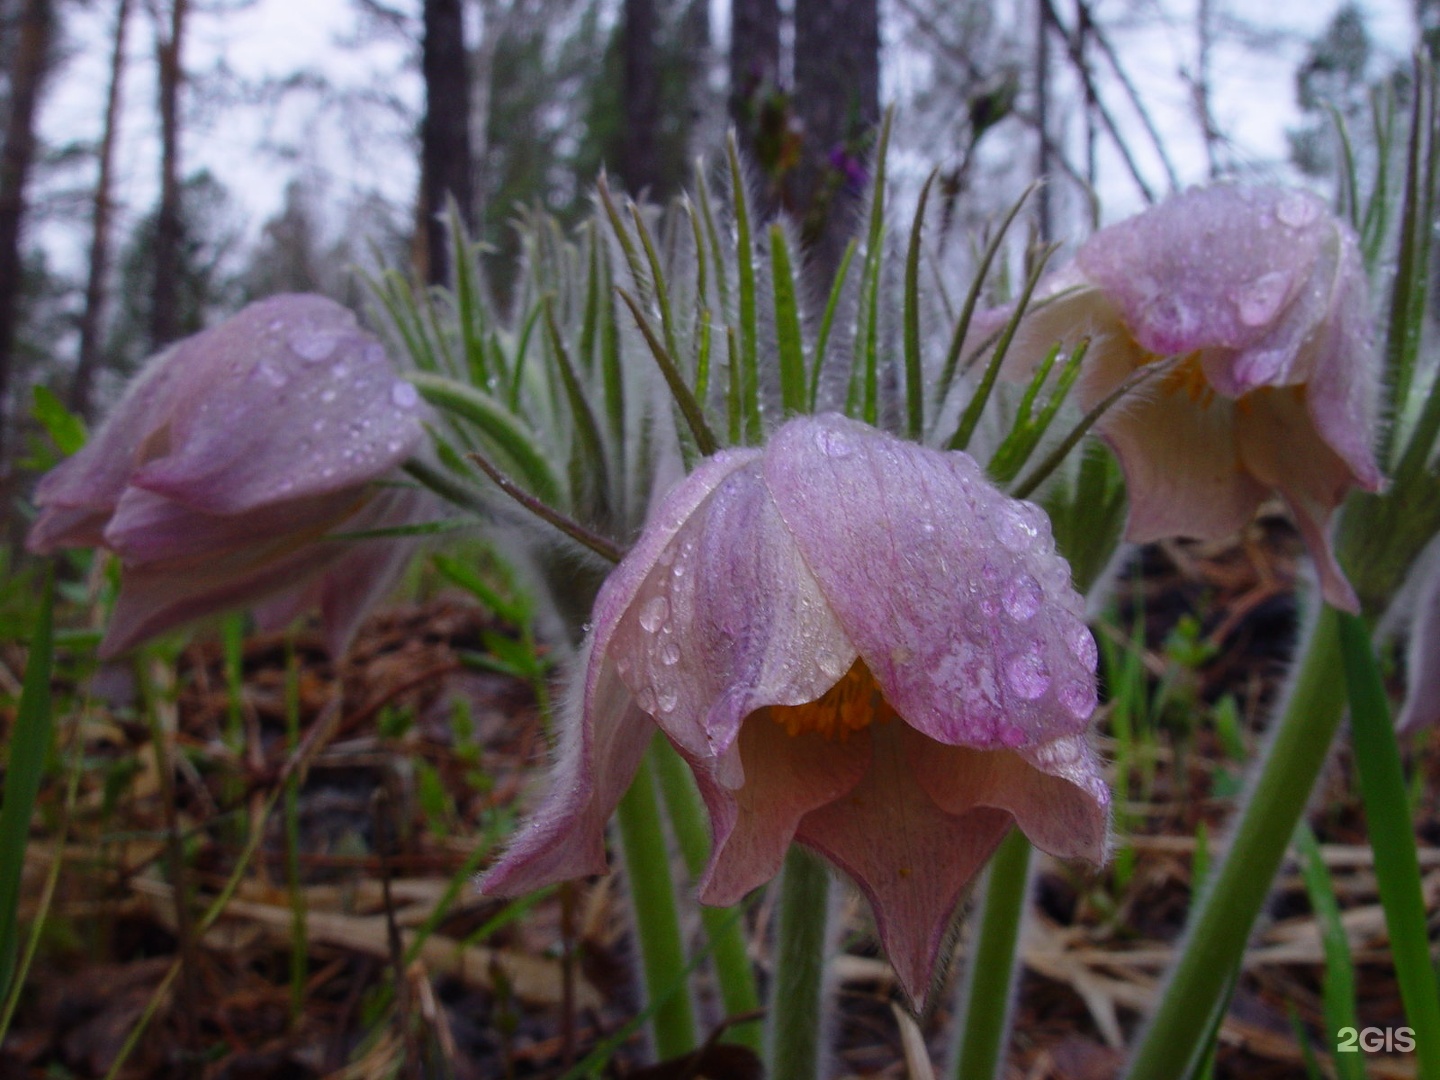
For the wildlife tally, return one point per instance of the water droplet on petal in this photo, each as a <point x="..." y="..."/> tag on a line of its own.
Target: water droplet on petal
<point x="1027" y="674"/>
<point x="327" y="396"/>
<point x="655" y="611"/>
<point x="1078" y="698"/>
<point x="313" y="346"/>
<point x="404" y="395"/>
<point x="270" y="374"/>
<point x="1082" y="647"/>
<point x="835" y="444"/>
<point x="646" y="700"/>
<point x="667" y="699"/>
<point x="1259" y="301"/>
<point x="1016" y="528"/>
<point x="1022" y="597"/>
<point x="669" y="654"/>
<point x="1297" y="210"/>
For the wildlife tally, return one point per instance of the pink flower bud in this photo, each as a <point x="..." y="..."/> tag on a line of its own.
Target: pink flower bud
<point x="1260" y="295"/>
<point x="229" y="459"/>
<point x="856" y="643"/>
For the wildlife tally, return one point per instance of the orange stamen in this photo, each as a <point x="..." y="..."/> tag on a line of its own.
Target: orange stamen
<point x="852" y="704"/>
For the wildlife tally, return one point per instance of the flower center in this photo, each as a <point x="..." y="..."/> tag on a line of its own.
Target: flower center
<point x="852" y="704"/>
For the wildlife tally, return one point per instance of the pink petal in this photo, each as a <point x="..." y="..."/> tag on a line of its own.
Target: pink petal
<point x="786" y="776"/>
<point x="910" y="858"/>
<point x="1056" y="793"/>
<point x="602" y="744"/>
<point x="288" y="398"/>
<point x="718" y="615"/>
<point x="1216" y="267"/>
<point x="78" y="495"/>
<point x="1281" y="448"/>
<point x="951" y="591"/>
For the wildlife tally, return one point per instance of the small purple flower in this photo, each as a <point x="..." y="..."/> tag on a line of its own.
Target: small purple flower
<point x="1261" y="295"/>
<point x="850" y="167"/>
<point x="230" y="458"/>
<point x="856" y="643"/>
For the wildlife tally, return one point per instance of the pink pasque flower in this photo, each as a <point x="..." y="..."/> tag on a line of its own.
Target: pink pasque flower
<point x="227" y="462"/>
<point x="1261" y="294"/>
<point x="856" y="643"/>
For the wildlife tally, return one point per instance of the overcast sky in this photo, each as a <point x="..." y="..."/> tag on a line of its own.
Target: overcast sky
<point x="1254" y="98"/>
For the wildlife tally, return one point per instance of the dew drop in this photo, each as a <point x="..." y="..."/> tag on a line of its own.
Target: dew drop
<point x="1022" y="597"/>
<point x="669" y="654"/>
<point x="1259" y="301"/>
<point x="654" y="613"/>
<point x="313" y="346"/>
<point x="327" y="396"/>
<point x="375" y="354"/>
<point x="1027" y="675"/>
<point x="1078" y="698"/>
<point x="646" y="700"/>
<point x="271" y="375"/>
<point x="835" y="444"/>
<point x="1297" y="210"/>
<point x="831" y="665"/>
<point x="404" y="395"/>
<point x="1082" y="647"/>
<point x="667" y="699"/>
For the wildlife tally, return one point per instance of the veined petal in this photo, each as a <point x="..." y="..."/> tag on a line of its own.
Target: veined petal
<point x="785" y="777"/>
<point x="287" y="399"/>
<point x="722" y="618"/>
<point x="1281" y="448"/>
<point x="1056" y="793"/>
<point x="951" y="592"/>
<point x="603" y="740"/>
<point x="910" y="858"/>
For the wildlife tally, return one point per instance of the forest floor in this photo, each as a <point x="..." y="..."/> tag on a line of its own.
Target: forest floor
<point x="359" y="800"/>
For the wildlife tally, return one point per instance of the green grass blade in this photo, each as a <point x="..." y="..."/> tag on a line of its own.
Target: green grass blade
<point x="822" y="339"/>
<point x="690" y="409"/>
<point x="29" y="746"/>
<point x="1392" y="839"/>
<point x="749" y="331"/>
<point x="864" y="396"/>
<point x="914" y="368"/>
<point x="1338" y="989"/>
<point x="594" y="468"/>
<point x="787" y="325"/>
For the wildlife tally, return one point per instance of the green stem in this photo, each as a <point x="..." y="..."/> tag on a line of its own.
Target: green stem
<point x="1392" y="837"/>
<point x="799" y="967"/>
<point x="724" y="930"/>
<point x="1236" y="890"/>
<point x="992" y="961"/>
<point x="657" y="923"/>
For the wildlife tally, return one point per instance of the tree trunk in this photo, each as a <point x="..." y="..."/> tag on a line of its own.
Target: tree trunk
<point x="754" y="61"/>
<point x="91" y="319"/>
<point x="30" y="56"/>
<point x="837" y="101"/>
<point x="445" y="132"/>
<point x="640" y="164"/>
<point x="169" y="222"/>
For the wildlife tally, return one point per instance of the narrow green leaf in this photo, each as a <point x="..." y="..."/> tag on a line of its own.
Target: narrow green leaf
<point x="1392" y="839"/>
<point x="594" y="468"/>
<point x="787" y="325"/>
<point x="29" y="745"/>
<point x="469" y="304"/>
<point x="864" y="396"/>
<point x="914" y="367"/>
<point x="690" y="409"/>
<point x="66" y="430"/>
<point x="1338" y="988"/>
<point x="822" y="339"/>
<point x="749" y="332"/>
<point x="505" y="431"/>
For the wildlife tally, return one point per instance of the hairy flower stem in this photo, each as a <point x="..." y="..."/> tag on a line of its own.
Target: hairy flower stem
<point x="990" y="970"/>
<point x="1220" y="925"/>
<point x="657" y="922"/>
<point x="795" y="1011"/>
<point x="724" y="927"/>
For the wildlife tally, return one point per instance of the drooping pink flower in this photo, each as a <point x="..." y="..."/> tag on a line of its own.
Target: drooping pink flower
<point x="857" y="644"/>
<point x="1260" y="294"/>
<point x="228" y="461"/>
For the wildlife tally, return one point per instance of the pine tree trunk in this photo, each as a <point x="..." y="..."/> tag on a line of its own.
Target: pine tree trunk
<point x="445" y="132"/>
<point x="91" y="319"/>
<point x="837" y="100"/>
<point x="26" y="77"/>
<point x="640" y="165"/>
<point x="169" y="222"/>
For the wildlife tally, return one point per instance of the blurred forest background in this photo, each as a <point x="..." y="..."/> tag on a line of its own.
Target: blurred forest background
<point x="153" y="182"/>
